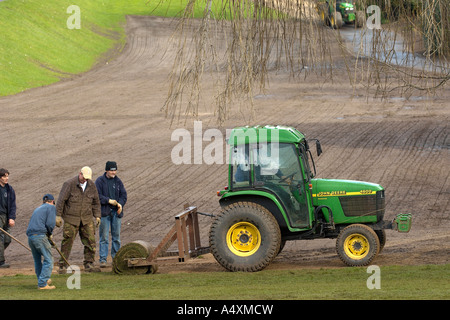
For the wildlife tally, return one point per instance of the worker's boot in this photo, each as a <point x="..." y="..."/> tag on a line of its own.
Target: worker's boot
<point x="47" y="287"/>
<point x="62" y="269"/>
<point x="90" y="267"/>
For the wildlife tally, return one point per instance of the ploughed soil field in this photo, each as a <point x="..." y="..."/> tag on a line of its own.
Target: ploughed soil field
<point x="113" y="112"/>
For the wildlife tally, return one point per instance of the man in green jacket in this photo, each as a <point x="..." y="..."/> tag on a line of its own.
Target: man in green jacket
<point x="78" y="206"/>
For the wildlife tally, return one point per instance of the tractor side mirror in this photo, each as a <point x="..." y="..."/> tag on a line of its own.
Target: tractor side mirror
<point x="318" y="148"/>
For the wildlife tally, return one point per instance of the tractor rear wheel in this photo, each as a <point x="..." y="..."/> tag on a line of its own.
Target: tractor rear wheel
<point x="357" y="245"/>
<point x="245" y="236"/>
<point x="323" y="13"/>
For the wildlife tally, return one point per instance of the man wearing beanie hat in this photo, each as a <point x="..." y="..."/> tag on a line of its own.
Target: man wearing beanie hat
<point x="78" y="205"/>
<point x="113" y="197"/>
<point x="40" y="227"/>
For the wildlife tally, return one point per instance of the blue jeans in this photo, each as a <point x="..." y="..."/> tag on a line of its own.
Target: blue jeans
<point x="41" y="248"/>
<point x="110" y="222"/>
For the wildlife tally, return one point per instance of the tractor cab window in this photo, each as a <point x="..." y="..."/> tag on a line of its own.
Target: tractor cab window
<point x="240" y="166"/>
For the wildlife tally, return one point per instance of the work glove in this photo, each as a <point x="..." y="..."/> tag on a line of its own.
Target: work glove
<point x="97" y="222"/>
<point x="58" y="221"/>
<point x="119" y="208"/>
<point x="50" y="239"/>
<point x="112" y="202"/>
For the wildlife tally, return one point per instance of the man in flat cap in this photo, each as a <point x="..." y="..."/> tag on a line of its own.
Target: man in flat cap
<point x="113" y="197"/>
<point x="78" y="206"/>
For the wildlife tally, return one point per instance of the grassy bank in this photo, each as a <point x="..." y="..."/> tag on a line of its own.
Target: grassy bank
<point x="397" y="282"/>
<point x="38" y="48"/>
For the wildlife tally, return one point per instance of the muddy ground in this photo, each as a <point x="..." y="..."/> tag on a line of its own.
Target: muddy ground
<point x="113" y="112"/>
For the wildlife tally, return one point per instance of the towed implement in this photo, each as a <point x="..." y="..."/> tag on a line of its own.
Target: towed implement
<point x="272" y="197"/>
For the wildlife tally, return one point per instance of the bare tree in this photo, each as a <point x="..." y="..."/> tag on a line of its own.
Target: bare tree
<point x="237" y="44"/>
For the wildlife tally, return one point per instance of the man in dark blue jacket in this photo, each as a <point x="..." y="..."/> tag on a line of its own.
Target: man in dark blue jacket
<point x="113" y="197"/>
<point x="7" y="213"/>
<point x="40" y="227"/>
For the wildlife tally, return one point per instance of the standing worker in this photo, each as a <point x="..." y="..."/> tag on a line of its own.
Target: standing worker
<point x="113" y="197"/>
<point x="77" y="204"/>
<point x="7" y="213"/>
<point x="40" y="228"/>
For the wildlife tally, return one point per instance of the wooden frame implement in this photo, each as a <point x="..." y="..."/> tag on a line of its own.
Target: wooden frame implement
<point x="187" y="233"/>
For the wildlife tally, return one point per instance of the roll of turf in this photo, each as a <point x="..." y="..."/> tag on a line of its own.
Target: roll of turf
<point x="135" y="249"/>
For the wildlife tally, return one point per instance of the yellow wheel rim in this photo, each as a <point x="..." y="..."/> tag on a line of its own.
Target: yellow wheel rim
<point x="356" y="246"/>
<point x="243" y="239"/>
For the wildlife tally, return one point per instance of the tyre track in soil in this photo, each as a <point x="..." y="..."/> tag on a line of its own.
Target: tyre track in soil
<point x="113" y="112"/>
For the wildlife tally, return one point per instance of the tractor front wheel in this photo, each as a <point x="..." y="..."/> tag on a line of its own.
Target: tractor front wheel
<point x="357" y="245"/>
<point x="336" y="20"/>
<point x="245" y="237"/>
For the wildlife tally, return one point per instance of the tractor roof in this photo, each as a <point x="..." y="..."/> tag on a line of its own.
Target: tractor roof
<point x="261" y="134"/>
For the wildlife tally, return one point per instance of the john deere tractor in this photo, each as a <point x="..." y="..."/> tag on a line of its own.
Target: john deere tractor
<point x="273" y="196"/>
<point x="335" y="13"/>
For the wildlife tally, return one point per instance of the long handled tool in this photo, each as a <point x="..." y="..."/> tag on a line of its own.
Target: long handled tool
<point x="9" y="235"/>
<point x="59" y="251"/>
<point x="49" y="239"/>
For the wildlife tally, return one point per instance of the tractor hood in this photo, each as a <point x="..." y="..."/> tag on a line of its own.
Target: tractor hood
<point x="338" y="187"/>
<point x="350" y="201"/>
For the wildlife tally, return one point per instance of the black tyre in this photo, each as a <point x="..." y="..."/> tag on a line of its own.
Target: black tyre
<point x="282" y="244"/>
<point x="357" y="245"/>
<point x="245" y="237"/>
<point x="382" y="238"/>
<point x="323" y="13"/>
<point x="336" y="20"/>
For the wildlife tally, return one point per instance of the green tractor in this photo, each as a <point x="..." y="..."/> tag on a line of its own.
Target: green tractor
<point x="272" y="197"/>
<point x="335" y="13"/>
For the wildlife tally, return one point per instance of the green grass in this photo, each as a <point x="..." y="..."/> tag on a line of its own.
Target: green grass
<point x="37" y="48"/>
<point x="397" y="282"/>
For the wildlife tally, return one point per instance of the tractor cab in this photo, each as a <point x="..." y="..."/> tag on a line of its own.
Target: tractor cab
<point x="274" y="162"/>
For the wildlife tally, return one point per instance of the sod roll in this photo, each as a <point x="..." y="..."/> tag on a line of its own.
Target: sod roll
<point x="135" y="249"/>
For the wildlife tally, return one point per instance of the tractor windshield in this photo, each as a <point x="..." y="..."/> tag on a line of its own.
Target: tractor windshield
<point x="308" y="161"/>
<point x="278" y="170"/>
